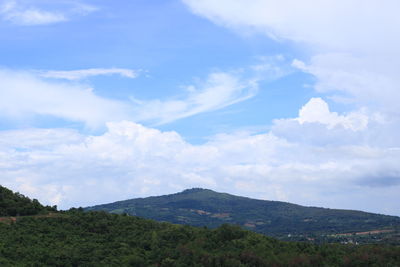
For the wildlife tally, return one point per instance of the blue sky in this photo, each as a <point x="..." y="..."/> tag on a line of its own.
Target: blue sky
<point x="102" y="101"/>
<point x="168" y="47"/>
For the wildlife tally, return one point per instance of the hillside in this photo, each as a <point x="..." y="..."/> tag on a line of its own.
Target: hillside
<point x="15" y="204"/>
<point x="100" y="239"/>
<point x="203" y="207"/>
<point x="77" y="238"/>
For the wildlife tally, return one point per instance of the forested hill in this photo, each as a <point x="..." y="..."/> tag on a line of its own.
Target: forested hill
<point x="77" y="238"/>
<point x="16" y="204"/>
<point x="203" y="207"/>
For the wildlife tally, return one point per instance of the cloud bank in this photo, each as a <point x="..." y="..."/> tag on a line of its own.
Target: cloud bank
<point x="289" y="163"/>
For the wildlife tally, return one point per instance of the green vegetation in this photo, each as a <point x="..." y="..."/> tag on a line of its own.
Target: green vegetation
<point x="202" y="207"/>
<point x="16" y="204"/>
<point x="78" y="238"/>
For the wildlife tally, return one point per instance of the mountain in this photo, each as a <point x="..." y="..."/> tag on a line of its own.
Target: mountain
<point x="77" y="238"/>
<point x="203" y="207"/>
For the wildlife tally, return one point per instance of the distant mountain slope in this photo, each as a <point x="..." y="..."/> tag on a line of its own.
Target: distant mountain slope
<point x="203" y="207"/>
<point x="16" y="204"/>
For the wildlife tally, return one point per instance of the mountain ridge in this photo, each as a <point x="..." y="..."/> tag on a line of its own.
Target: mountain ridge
<point x="204" y="207"/>
<point x="199" y="189"/>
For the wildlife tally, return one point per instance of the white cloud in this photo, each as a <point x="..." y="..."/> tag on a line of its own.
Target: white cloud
<point x="83" y="9"/>
<point x="85" y="73"/>
<point x="317" y="110"/>
<point x="23" y="95"/>
<point x="330" y="24"/>
<point x="32" y="16"/>
<point x="316" y="125"/>
<point x="130" y="160"/>
<point x="363" y="81"/>
<point x="76" y="102"/>
<point x="20" y="13"/>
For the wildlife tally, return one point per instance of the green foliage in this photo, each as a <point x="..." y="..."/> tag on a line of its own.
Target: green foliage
<point x="16" y="204"/>
<point x="77" y="238"/>
<point x="202" y="207"/>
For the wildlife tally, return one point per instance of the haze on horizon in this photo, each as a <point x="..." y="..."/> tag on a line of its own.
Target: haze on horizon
<point x="288" y="100"/>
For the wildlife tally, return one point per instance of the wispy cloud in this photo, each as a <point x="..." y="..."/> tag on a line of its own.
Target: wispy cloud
<point x="220" y="89"/>
<point x="85" y="73"/>
<point x="19" y="13"/>
<point x="83" y="9"/>
<point x="36" y="94"/>
<point x="29" y="16"/>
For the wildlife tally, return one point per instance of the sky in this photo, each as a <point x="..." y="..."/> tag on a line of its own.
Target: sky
<point x="287" y="100"/>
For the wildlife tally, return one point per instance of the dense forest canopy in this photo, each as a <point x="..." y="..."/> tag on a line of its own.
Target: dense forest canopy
<point x="78" y="238"/>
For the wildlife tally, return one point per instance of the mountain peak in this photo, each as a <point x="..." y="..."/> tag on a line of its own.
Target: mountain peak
<point x="195" y="190"/>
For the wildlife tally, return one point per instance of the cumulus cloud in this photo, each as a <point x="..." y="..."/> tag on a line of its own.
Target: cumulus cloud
<point x="317" y="111"/>
<point x="129" y="160"/>
<point x="85" y="73"/>
<point x="317" y="125"/>
<point x="20" y="13"/>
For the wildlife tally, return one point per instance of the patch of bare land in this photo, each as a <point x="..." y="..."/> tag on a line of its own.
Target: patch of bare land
<point x="373" y="232"/>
